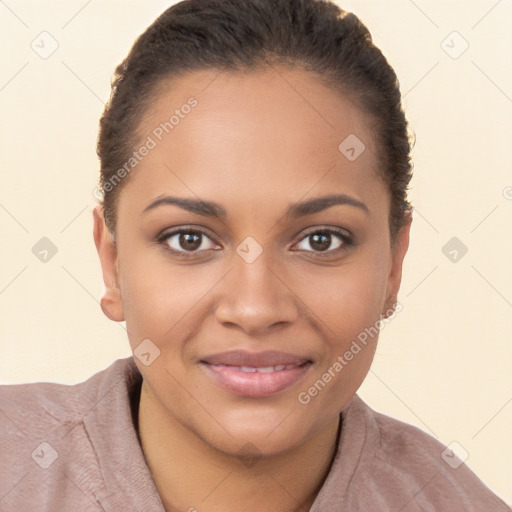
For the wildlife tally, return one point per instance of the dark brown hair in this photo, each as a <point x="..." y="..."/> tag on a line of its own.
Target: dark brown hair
<point x="241" y="35"/>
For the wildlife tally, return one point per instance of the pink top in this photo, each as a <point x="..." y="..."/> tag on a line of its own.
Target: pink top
<point x="76" y="449"/>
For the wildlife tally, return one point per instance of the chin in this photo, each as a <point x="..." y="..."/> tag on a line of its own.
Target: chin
<point x="255" y="444"/>
<point x="246" y="431"/>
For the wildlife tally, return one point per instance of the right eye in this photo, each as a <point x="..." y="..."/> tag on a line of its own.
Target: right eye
<point x="186" y="241"/>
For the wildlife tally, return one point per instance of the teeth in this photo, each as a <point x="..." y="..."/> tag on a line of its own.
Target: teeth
<point x="247" y="369"/>
<point x="263" y="369"/>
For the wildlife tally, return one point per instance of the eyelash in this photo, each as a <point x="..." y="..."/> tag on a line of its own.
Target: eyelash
<point x="346" y="241"/>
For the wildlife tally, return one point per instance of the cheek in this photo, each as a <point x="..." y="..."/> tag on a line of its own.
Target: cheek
<point x="348" y="299"/>
<point x="348" y="315"/>
<point x="160" y="300"/>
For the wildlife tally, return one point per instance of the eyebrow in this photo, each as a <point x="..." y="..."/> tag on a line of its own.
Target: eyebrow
<point x="301" y="209"/>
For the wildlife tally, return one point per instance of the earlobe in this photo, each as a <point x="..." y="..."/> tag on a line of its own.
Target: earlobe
<point x="112" y="306"/>
<point x="111" y="301"/>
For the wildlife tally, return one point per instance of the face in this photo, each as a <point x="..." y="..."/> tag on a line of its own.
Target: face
<point x="253" y="289"/>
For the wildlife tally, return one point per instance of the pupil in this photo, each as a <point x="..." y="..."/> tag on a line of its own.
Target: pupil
<point x="190" y="241"/>
<point x="321" y="245"/>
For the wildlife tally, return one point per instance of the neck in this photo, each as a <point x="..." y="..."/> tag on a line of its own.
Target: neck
<point x="191" y="475"/>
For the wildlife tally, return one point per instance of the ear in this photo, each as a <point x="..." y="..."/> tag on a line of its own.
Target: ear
<point x="111" y="302"/>
<point x="398" y="254"/>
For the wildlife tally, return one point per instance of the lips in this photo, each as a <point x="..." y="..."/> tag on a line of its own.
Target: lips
<point x="255" y="374"/>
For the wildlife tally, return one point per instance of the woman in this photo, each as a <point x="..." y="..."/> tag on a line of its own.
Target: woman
<point x="254" y="170"/>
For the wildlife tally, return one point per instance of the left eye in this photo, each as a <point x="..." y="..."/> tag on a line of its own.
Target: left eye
<point x="321" y="241"/>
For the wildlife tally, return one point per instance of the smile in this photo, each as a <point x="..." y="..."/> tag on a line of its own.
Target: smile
<point x="254" y="375"/>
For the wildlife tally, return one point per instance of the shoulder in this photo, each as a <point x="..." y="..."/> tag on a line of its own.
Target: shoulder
<point x="399" y="466"/>
<point x="425" y="469"/>
<point x="39" y="405"/>
<point x="50" y="434"/>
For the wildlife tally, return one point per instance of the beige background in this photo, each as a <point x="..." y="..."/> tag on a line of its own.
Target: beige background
<point x="445" y="362"/>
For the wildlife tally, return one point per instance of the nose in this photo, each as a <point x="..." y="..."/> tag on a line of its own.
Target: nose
<point x="256" y="297"/>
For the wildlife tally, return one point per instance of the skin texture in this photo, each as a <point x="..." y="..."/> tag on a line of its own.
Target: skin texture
<point x="255" y="143"/>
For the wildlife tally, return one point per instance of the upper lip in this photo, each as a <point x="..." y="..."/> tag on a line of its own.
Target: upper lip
<point x="255" y="359"/>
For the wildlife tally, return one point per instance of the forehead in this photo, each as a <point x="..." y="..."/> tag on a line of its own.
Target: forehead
<point x="265" y="135"/>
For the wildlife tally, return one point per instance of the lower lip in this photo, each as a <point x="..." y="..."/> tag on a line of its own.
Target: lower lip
<point x="255" y="384"/>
